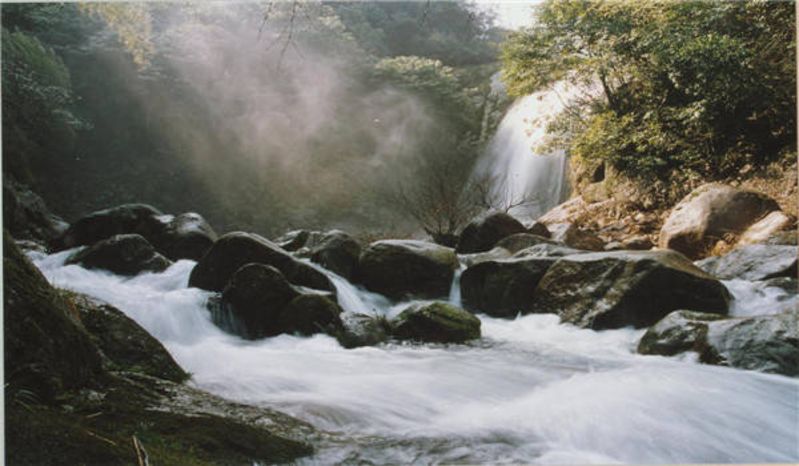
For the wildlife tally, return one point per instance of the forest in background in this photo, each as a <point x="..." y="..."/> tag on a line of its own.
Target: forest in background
<point x="261" y="116"/>
<point x="370" y="116"/>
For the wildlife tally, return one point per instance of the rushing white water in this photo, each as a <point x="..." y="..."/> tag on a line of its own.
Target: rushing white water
<point x="530" y="391"/>
<point x="520" y="175"/>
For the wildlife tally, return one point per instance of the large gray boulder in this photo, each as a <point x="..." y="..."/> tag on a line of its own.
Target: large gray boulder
<point x="402" y="269"/>
<point x="436" y="322"/>
<point x="503" y="288"/>
<point x="710" y="213"/>
<point x="483" y="232"/>
<point x="575" y="237"/>
<point x="753" y="262"/>
<point x="122" y="255"/>
<point x="676" y="333"/>
<point x="626" y="288"/>
<point x="233" y="250"/>
<point x="767" y="343"/>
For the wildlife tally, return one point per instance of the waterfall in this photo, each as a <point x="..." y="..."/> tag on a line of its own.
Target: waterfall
<point x="520" y="174"/>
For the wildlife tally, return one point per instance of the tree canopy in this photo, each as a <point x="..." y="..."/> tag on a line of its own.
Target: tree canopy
<point x="681" y="88"/>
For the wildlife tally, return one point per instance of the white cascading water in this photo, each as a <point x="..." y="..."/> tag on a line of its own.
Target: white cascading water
<point x="530" y="391"/>
<point x="519" y="174"/>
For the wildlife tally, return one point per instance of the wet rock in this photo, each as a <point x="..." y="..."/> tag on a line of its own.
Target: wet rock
<point x="483" y="232"/>
<point x="788" y="284"/>
<point x="767" y="343"/>
<point x="338" y="252"/>
<point x="575" y="237"/>
<point x="676" y="333"/>
<point x="402" y="269"/>
<point x="710" y="213"/>
<point x="294" y="240"/>
<point x="519" y="241"/>
<point x="186" y="236"/>
<point x="626" y="288"/>
<point x="567" y="212"/>
<point x="26" y="216"/>
<point x="436" y="323"/>
<point x="764" y="229"/>
<point x="311" y="313"/>
<point x="545" y="250"/>
<point x="124" y="342"/>
<point x="753" y="262"/>
<point x="256" y="295"/>
<point x="233" y="250"/>
<point x="503" y="288"/>
<point x="122" y="255"/>
<point x="141" y="219"/>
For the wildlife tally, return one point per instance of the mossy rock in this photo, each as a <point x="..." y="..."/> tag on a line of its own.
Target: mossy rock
<point x="436" y="322"/>
<point x="47" y="350"/>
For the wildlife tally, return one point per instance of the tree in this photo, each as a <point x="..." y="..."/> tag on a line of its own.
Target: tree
<point x="685" y="88"/>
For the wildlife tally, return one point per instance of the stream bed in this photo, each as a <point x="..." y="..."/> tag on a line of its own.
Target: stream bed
<point x="531" y="390"/>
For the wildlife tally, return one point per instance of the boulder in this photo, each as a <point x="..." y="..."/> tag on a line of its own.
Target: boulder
<point x="338" y="252"/>
<point x="436" y="322"/>
<point x="402" y="269"/>
<point x="503" y="288"/>
<point x="767" y="343"/>
<point x="626" y="288"/>
<point x="575" y="237"/>
<point x="260" y="302"/>
<point x="294" y="240"/>
<point x="519" y="241"/>
<point x="753" y="262"/>
<point x="783" y="238"/>
<point x="545" y="250"/>
<point x="788" y="284"/>
<point x="568" y="212"/>
<point x="255" y="296"/>
<point x="186" y="236"/>
<point x="483" y="232"/>
<point x="637" y="243"/>
<point x="141" y="219"/>
<point x="124" y="342"/>
<point x="122" y="255"/>
<point x="233" y="250"/>
<point x="710" y="213"/>
<point x="311" y="313"/>
<point x="26" y="216"/>
<point x="539" y="229"/>
<point x="47" y="349"/>
<point x="678" y="332"/>
<point x="766" y="228"/>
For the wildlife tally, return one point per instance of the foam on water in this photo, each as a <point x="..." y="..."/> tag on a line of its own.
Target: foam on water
<point x="531" y="390"/>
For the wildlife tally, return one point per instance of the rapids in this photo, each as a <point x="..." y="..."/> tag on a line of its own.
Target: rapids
<point x="531" y="390"/>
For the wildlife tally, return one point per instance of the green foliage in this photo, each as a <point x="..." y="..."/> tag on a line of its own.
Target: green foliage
<point x="454" y="32"/>
<point x="683" y="88"/>
<point x="36" y="102"/>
